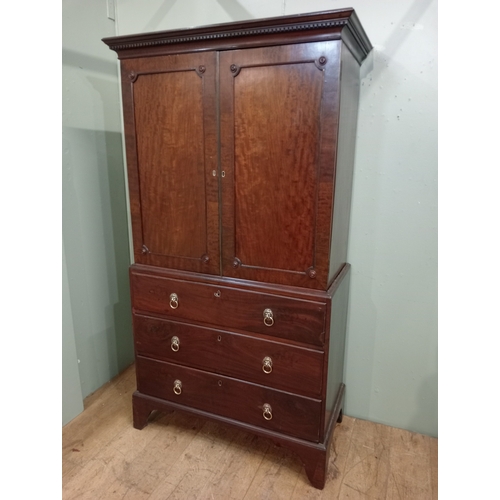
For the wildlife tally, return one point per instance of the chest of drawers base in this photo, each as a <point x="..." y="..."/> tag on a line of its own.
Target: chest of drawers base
<point x="265" y="359"/>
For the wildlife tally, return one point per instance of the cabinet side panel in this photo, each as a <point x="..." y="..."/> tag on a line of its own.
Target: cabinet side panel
<point x="336" y="349"/>
<point x="349" y="97"/>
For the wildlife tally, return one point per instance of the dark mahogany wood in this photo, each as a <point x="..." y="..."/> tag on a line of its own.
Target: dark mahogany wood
<point x="168" y="107"/>
<point x="348" y="114"/>
<point x="334" y="347"/>
<point x="141" y="411"/>
<point x="314" y="456"/>
<point x="333" y="372"/>
<point x="214" y="304"/>
<point x="292" y="368"/>
<point x="171" y="140"/>
<point x="341" y="24"/>
<point x="278" y="138"/>
<point x="289" y="413"/>
<point x="251" y="286"/>
<point x="240" y="144"/>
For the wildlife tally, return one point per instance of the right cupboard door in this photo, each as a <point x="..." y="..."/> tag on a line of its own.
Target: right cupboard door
<point x="279" y="118"/>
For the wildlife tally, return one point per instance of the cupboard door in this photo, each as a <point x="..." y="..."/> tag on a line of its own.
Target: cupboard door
<point x="279" y="119"/>
<point x="171" y="138"/>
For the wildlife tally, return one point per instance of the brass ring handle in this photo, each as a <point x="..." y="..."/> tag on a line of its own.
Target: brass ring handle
<point x="267" y="365"/>
<point x="267" y="412"/>
<point x="268" y="317"/>
<point x="174" y="301"/>
<point x="177" y="387"/>
<point x="174" y="343"/>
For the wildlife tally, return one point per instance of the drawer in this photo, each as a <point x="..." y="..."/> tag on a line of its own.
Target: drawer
<point x="275" y="364"/>
<point x="233" y="308"/>
<point x="290" y="414"/>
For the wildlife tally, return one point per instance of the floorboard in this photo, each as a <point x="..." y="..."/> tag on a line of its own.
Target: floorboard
<point x="181" y="457"/>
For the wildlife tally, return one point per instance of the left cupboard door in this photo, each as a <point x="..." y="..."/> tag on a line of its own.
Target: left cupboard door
<point x="170" y="124"/>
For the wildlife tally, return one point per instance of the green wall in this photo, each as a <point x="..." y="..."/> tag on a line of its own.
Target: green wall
<point x="71" y="388"/>
<point x="94" y="211"/>
<point x="391" y="357"/>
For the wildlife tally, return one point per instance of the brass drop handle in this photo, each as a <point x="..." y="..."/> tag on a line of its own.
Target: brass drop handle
<point x="267" y="365"/>
<point x="177" y="387"/>
<point x="174" y="343"/>
<point x="268" y="317"/>
<point x="174" y="301"/>
<point x="267" y="412"/>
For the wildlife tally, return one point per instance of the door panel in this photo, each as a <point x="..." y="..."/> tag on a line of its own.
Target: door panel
<point x="171" y="172"/>
<point x="171" y="131"/>
<point x="282" y="158"/>
<point x="278" y="133"/>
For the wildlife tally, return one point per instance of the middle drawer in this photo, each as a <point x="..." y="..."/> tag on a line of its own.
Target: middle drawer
<point x="275" y="364"/>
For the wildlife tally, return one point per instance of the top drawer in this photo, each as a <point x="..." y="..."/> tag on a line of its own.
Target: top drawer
<point x="285" y="317"/>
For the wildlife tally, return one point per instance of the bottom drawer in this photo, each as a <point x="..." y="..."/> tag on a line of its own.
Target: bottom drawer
<point x="279" y="411"/>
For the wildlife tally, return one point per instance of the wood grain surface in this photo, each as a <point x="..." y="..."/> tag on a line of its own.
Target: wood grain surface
<point x="279" y="121"/>
<point x="300" y="320"/>
<point x="293" y="369"/>
<point x="171" y="142"/>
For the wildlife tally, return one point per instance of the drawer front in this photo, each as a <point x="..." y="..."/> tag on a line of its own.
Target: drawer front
<point x="293" y="415"/>
<point x="274" y="364"/>
<point x="289" y="318"/>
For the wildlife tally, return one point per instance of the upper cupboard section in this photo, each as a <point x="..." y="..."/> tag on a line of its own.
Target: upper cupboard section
<point x="240" y="145"/>
<point x="231" y="159"/>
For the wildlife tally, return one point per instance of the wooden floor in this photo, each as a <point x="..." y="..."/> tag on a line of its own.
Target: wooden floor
<point x="182" y="457"/>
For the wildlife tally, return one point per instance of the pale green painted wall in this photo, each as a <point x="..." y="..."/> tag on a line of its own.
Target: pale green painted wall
<point x="94" y="222"/>
<point x="391" y="365"/>
<point x="71" y="388"/>
<point x="392" y="352"/>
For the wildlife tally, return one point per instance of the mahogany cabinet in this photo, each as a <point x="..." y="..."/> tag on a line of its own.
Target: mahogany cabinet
<point x="240" y="150"/>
